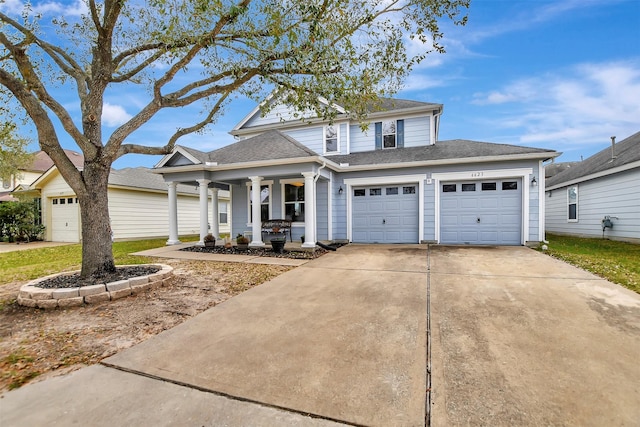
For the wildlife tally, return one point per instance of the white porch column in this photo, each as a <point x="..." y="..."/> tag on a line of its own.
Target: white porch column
<point x="173" y="214"/>
<point x="256" y="227"/>
<point x="309" y="210"/>
<point x="215" y="216"/>
<point x="203" y="185"/>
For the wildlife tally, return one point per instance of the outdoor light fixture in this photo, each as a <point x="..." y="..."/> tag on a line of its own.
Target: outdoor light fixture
<point x="534" y="183"/>
<point x="340" y="190"/>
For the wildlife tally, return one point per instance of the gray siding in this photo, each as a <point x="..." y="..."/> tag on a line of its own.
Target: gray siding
<point x="614" y="195"/>
<point x="416" y="132"/>
<point x="322" y="209"/>
<point x="362" y="141"/>
<point x="311" y="137"/>
<point x="277" y="114"/>
<point x="339" y="209"/>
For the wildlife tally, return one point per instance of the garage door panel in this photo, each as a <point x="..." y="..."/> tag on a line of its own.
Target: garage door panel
<point x="469" y="236"/>
<point x="467" y="203"/>
<point x="500" y="214"/>
<point x="385" y="218"/>
<point x="449" y="203"/>
<point x="489" y="203"/>
<point x="511" y="202"/>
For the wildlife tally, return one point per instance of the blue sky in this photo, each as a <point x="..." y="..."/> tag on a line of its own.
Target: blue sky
<point x="561" y="74"/>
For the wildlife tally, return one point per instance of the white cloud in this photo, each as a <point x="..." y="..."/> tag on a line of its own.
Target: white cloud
<point x="75" y="8"/>
<point x="114" y="115"/>
<point x="584" y="104"/>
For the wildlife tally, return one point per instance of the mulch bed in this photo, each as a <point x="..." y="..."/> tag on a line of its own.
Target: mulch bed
<point x="266" y="252"/>
<point x="74" y="280"/>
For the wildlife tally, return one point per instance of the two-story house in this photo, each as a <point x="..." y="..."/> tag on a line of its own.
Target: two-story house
<point x="392" y="182"/>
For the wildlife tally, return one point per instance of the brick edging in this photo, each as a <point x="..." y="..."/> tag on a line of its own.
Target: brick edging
<point x="32" y="296"/>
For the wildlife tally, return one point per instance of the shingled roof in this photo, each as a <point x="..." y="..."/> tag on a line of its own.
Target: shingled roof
<point x="144" y="179"/>
<point x="625" y="152"/>
<point x="443" y="150"/>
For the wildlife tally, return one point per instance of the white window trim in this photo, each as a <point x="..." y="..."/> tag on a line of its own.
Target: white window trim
<point x="282" y="202"/>
<point x="383" y="181"/>
<point x="576" y="203"/>
<point x="248" y="184"/>
<point x="395" y="133"/>
<point x="324" y="140"/>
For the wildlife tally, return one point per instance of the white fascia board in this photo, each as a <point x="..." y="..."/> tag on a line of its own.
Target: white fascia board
<point x="456" y="161"/>
<point x="43" y="177"/>
<point x="245" y="165"/>
<point x="611" y="171"/>
<point x="177" y="149"/>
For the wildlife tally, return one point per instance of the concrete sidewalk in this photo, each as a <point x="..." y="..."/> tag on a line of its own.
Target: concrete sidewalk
<point x="11" y="247"/>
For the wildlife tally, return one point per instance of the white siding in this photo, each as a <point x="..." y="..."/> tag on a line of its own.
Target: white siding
<point x="614" y="195"/>
<point x="135" y="214"/>
<point x="150" y="215"/>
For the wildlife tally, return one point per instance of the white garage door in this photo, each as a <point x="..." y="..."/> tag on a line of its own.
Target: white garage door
<point x="385" y="214"/>
<point x="481" y="213"/>
<point x="65" y="220"/>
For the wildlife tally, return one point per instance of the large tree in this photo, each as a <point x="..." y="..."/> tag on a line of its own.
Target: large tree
<point x="13" y="152"/>
<point x="204" y="52"/>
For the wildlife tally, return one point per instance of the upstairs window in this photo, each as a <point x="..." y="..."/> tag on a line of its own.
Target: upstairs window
<point x="389" y="134"/>
<point x="572" y="203"/>
<point x="331" y="139"/>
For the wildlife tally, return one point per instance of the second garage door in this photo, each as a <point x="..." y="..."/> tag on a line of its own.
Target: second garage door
<point x="385" y="214"/>
<point x="65" y="219"/>
<point x="481" y="213"/>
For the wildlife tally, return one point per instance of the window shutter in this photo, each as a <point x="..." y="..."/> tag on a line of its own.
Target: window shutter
<point x="378" y="135"/>
<point x="399" y="133"/>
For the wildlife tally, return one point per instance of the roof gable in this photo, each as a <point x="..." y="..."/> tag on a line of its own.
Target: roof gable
<point x="270" y="145"/>
<point x="182" y="156"/>
<point x="280" y="114"/>
<point x="625" y="153"/>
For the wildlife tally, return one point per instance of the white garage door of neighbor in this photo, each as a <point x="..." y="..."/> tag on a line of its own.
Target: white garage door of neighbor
<point x="65" y="221"/>
<point x="385" y="214"/>
<point x="485" y="212"/>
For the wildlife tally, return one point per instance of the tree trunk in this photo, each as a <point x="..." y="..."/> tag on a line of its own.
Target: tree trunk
<point x="97" y="254"/>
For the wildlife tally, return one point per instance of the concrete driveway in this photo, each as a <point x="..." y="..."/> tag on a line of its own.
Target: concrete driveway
<point x="522" y="339"/>
<point x="517" y="338"/>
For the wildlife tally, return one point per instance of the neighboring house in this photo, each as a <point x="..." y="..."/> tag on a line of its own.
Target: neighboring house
<point x="391" y="183"/>
<point x="606" y="184"/>
<point x="41" y="163"/>
<point x="137" y="206"/>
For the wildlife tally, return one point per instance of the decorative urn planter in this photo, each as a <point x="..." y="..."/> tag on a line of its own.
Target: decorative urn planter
<point x="277" y="243"/>
<point x="209" y="241"/>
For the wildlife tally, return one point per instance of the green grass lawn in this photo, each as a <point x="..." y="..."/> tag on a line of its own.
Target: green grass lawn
<point x="618" y="262"/>
<point x="33" y="263"/>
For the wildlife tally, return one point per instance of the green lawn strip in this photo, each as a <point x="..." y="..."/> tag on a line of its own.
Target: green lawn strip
<point x="618" y="262"/>
<point x="30" y="264"/>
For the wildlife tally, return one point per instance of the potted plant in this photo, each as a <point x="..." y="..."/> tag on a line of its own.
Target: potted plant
<point x="302" y="239"/>
<point x="277" y="244"/>
<point x="242" y="241"/>
<point x="209" y="241"/>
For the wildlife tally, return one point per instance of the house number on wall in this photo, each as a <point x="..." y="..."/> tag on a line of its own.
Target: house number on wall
<point x="476" y="174"/>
